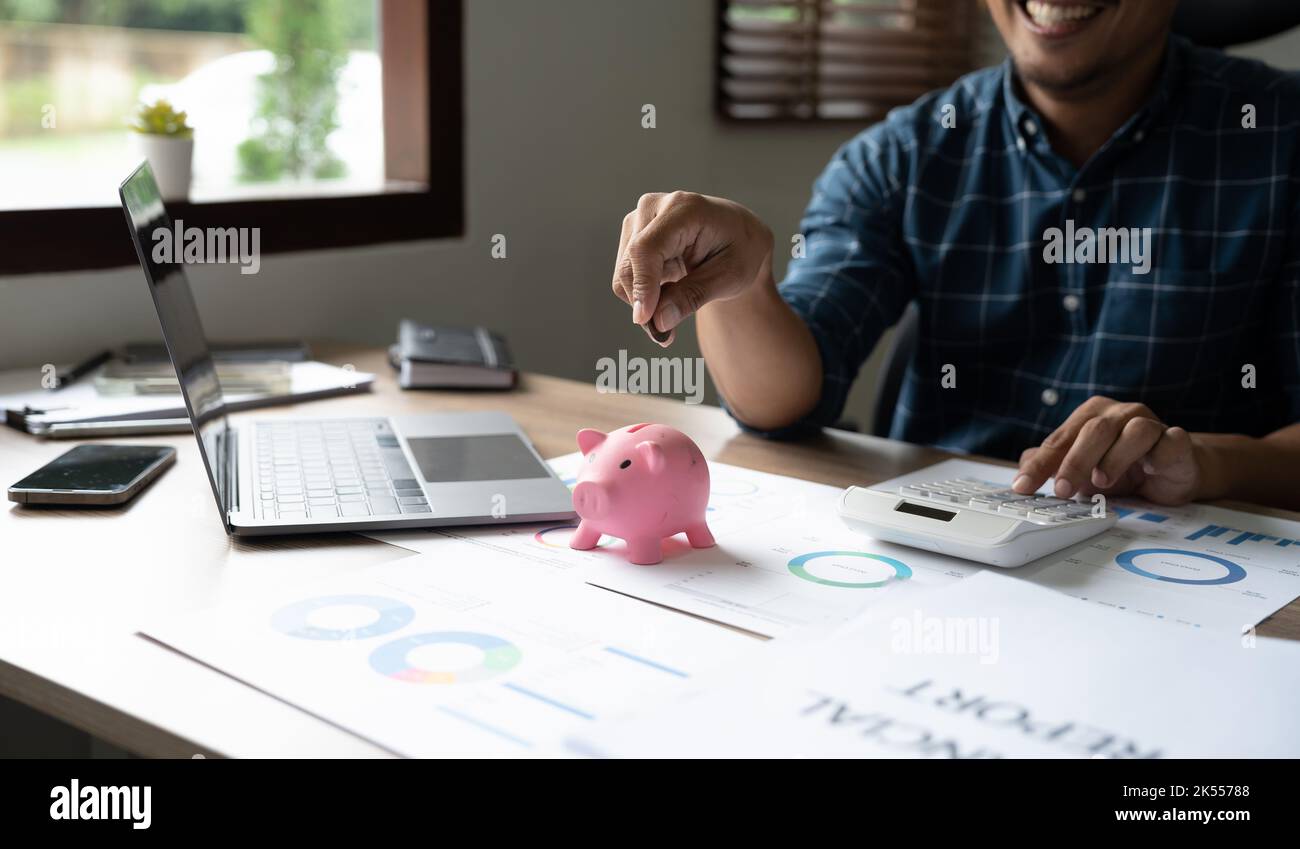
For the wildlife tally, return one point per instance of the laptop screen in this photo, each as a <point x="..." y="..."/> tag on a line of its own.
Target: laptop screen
<point x="181" y="329"/>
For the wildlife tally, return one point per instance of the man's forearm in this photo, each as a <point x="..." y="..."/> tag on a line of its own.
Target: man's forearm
<point x="762" y="357"/>
<point x="1264" y="470"/>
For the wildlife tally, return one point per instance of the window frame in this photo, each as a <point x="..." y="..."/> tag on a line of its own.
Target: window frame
<point x="90" y="238"/>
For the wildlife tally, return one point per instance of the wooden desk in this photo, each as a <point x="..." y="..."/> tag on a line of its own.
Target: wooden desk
<point x="76" y="586"/>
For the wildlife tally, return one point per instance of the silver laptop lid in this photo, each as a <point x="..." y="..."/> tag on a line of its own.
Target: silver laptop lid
<point x="182" y="332"/>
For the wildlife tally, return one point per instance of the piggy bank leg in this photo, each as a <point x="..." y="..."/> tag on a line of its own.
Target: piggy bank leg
<point x="585" y="537"/>
<point x="646" y="551"/>
<point x="700" y="536"/>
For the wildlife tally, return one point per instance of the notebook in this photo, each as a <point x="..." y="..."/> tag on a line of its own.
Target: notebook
<point x="449" y="357"/>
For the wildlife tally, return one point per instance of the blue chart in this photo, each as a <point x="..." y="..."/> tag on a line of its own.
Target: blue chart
<point x="841" y="564"/>
<point x="1197" y="568"/>
<point x="303" y="619"/>
<point x="1148" y="516"/>
<point x="495" y="656"/>
<point x="1237" y="537"/>
<point x="516" y="709"/>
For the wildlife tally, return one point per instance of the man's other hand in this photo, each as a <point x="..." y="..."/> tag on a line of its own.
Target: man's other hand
<point x="1115" y="448"/>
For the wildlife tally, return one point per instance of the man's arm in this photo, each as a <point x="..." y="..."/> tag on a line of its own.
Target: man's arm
<point x="780" y="356"/>
<point x="683" y="253"/>
<point x="1264" y="471"/>
<point x="762" y="357"/>
<point x="1116" y="448"/>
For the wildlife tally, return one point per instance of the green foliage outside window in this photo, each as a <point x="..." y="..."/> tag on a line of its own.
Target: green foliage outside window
<point x="298" y="98"/>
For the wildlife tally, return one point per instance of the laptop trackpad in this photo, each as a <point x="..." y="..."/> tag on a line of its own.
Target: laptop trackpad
<point x="489" y="457"/>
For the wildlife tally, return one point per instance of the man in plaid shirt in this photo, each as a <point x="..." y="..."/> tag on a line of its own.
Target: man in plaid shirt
<point x="1103" y="239"/>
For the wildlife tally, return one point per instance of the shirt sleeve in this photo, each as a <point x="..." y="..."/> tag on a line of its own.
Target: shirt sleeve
<point x="854" y="280"/>
<point x="1287" y="314"/>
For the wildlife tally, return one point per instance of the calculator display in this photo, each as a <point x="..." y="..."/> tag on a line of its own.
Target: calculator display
<point x="927" y="512"/>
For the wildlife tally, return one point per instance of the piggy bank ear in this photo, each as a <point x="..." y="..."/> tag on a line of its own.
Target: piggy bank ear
<point x="589" y="440"/>
<point x="652" y="454"/>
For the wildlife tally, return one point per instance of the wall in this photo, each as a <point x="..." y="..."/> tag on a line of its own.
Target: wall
<point x="556" y="156"/>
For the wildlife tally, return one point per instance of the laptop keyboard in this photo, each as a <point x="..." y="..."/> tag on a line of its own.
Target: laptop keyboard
<point x="328" y="469"/>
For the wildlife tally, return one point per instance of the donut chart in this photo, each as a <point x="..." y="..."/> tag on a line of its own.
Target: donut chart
<point x="499" y="655"/>
<point x="799" y="567"/>
<point x="540" y="537"/>
<point x="295" y="619"/>
<point x="730" y="487"/>
<point x="1127" y="560"/>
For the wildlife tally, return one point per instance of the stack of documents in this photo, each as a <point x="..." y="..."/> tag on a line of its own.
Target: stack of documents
<point x="81" y="409"/>
<point x="992" y="667"/>
<point x="503" y="640"/>
<point x="456" y="655"/>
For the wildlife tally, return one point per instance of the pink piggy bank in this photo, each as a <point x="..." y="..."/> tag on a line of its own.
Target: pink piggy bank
<point x="641" y="483"/>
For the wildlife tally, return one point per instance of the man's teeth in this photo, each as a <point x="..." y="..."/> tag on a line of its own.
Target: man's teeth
<point x="1051" y="13"/>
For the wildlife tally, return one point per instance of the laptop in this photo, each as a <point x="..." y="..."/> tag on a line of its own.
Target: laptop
<point x="286" y="476"/>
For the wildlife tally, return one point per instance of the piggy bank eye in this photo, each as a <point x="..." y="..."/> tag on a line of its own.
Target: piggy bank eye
<point x="625" y="464"/>
<point x="591" y="458"/>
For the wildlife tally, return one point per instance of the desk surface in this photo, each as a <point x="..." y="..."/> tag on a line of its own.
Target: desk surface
<point x="76" y="586"/>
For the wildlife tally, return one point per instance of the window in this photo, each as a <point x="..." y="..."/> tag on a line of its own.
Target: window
<point x="837" y="59"/>
<point x="315" y="117"/>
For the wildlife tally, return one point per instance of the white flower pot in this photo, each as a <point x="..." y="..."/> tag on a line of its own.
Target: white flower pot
<point x="171" y="160"/>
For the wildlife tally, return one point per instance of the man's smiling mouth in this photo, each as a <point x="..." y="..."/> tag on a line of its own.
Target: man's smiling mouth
<point x="1058" y="17"/>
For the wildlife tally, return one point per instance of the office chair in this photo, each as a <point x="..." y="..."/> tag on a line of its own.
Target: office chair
<point x="1214" y="23"/>
<point x="1210" y="23"/>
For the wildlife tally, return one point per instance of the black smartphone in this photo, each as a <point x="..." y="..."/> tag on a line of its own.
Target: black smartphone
<point x="94" y="475"/>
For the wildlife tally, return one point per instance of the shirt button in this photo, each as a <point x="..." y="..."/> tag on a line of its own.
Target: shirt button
<point x="1070" y="302"/>
<point x="1139" y="135"/>
<point x="1020" y="143"/>
<point x="1030" y="128"/>
<point x="1050" y="397"/>
<point x="1079" y="195"/>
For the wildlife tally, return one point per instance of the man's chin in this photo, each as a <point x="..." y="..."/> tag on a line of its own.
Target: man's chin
<point x="1061" y="81"/>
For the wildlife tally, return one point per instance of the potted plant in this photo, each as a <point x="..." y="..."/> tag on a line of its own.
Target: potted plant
<point x="167" y="141"/>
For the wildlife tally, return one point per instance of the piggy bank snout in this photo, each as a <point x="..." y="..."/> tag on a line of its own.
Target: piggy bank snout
<point x="590" y="500"/>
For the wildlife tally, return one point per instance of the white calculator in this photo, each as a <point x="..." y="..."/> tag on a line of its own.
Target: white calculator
<point x="973" y="519"/>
